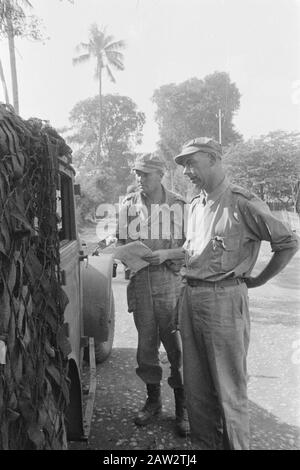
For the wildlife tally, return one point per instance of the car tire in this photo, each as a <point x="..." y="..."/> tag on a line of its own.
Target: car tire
<point x="103" y="349"/>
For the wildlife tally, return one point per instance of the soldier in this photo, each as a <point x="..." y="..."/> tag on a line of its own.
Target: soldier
<point x="153" y="291"/>
<point x="226" y="224"/>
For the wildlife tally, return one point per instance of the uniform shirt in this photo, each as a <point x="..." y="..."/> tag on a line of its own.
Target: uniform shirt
<point x="224" y="234"/>
<point x="160" y="226"/>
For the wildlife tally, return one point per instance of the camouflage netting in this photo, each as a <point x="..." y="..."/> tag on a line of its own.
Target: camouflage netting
<point x="34" y="388"/>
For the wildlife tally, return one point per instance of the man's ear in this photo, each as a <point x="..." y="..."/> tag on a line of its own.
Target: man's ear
<point x="212" y="159"/>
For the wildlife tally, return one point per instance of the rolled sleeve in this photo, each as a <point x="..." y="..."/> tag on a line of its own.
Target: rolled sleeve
<point x="265" y="226"/>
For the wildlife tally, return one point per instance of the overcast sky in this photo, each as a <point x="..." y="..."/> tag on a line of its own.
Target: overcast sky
<point x="256" y="41"/>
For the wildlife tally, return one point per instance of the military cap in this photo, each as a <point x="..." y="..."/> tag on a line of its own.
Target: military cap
<point x="200" y="144"/>
<point x="148" y="162"/>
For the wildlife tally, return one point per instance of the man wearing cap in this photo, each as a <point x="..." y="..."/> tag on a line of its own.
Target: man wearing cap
<point x="153" y="292"/>
<point x="226" y="225"/>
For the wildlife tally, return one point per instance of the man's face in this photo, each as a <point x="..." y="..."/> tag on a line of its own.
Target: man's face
<point x="198" y="168"/>
<point x="147" y="182"/>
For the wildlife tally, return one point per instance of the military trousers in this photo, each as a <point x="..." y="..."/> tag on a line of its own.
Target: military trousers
<point x="152" y="297"/>
<point x="215" y="331"/>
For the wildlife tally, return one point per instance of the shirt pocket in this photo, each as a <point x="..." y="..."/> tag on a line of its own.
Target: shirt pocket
<point x="230" y="252"/>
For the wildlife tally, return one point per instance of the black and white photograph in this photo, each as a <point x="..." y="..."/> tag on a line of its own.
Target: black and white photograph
<point x="149" y="228"/>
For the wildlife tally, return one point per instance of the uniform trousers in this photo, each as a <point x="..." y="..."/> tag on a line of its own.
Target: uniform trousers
<point x="215" y="331"/>
<point x="152" y="297"/>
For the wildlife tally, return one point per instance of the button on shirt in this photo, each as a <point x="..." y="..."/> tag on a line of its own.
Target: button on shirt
<point x="224" y="233"/>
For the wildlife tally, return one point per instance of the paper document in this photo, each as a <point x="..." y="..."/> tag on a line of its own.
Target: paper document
<point x="130" y="254"/>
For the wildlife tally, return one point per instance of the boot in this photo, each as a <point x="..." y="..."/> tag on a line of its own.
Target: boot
<point x="182" y="421"/>
<point x="152" y="407"/>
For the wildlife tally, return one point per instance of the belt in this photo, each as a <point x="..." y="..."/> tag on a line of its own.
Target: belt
<point x="221" y="283"/>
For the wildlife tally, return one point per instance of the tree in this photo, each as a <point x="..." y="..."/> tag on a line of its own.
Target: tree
<point x="107" y="53"/>
<point x="3" y="81"/>
<point x="122" y="131"/>
<point x="268" y="165"/>
<point x="14" y="22"/>
<point x="191" y="108"/>
<point x="96" y="188"/>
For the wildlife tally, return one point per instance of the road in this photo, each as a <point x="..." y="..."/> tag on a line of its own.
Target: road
<point x="273" y="366"/>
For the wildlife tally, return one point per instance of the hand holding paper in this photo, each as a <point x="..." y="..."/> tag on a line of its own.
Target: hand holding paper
<point x="132" y="254"/>
<point x="157" y="257"/>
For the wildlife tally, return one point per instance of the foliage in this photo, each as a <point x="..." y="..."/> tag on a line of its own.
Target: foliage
<point x="96" y="188"/>
<point x="12" y="13"/>
<point x="190" y="109"/>
<point x="268" y="165"/>
<point x="122" y="130"/>
<point x="14" y="22"/>
<point x="10" y="9"/>
<point x="106" y="51"/>
<point x="33" y="377"/>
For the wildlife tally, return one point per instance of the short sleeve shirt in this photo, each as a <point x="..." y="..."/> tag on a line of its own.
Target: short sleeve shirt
<point x="224" y="234"/>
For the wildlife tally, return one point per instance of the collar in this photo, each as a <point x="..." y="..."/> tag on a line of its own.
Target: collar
<point x="165" y="198"/>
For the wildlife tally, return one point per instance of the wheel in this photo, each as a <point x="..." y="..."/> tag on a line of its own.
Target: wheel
<point x="103" y="349"/>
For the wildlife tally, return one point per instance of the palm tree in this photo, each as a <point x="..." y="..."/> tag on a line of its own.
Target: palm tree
<point x="2" y="78"/>
<point x="12" y="10"/>
<point x="13" y="66"/>
<point x="106" y="50"/>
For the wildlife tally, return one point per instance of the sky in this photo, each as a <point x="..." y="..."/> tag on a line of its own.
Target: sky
<point x="167" y="41"/>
